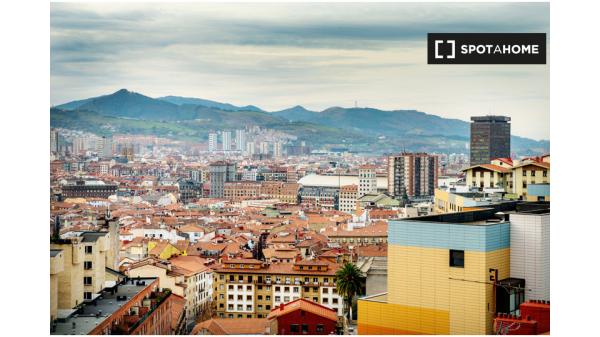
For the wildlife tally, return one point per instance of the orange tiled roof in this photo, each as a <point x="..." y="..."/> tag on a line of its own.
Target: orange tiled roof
<point x="233" y="326"/>
<point x="305" y="305"/>
<point x="191" y="264"/>
<point x="177" y="307"/>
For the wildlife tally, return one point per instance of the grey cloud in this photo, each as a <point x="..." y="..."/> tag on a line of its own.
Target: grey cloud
<point x="274" y="55"/>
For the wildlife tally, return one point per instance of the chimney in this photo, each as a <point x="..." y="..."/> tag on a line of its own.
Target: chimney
<point x="281" y="306"/>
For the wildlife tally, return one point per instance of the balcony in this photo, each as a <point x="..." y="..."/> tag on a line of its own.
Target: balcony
<point x="137" y="315"/>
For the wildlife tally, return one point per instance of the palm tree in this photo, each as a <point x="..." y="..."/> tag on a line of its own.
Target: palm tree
<point x="349" y="283"/>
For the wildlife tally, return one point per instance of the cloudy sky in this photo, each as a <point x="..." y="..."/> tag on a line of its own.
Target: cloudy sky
<point x="316" y="55"/>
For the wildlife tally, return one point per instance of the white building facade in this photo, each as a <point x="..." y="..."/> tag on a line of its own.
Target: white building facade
<point x="530" y="253"/>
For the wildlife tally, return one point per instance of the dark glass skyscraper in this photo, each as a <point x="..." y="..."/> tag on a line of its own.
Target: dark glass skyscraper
<point x="490" y="138"/>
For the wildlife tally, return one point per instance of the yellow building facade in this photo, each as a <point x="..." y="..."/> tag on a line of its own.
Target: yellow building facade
<point x="447" y="202"/>
<point x="440" y="279"/>
<point x="528" y="179"/>
<point x="528" y="174"/>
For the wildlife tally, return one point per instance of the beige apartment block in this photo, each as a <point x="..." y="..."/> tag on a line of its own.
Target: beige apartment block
<point x="57" y="266"/>
<point x="94" y="263"/>
<point x="70" y="280"/>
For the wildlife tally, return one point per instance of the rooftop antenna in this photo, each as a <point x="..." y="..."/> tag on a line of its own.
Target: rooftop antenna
<point x="356" y="104"/>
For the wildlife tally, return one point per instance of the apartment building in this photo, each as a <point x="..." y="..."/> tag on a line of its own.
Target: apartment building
<point x="412" y="175"/>
<point x="57" y="266"/>
<point x="531" y="181"/>
<point x="367" y="178"/>
<point x="248" y="288"/>
<point x="186" y="276"/>
<point x="198" y="279"/>
<point x="526" y="179"/>
<point x="220" y="173"/>
<point x="133" y="307"/>
<point x="70" y="279"/>
<point x="241" y="190"/>
<point x="489" y="176"/>
<point x="443" y="270"/>
<point x="95" y="247"/>
<point x="348" y="198"/>
<point x="285" y="192"/>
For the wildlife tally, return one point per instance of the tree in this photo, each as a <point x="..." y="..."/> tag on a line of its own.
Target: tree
<point x="349" y="284"/>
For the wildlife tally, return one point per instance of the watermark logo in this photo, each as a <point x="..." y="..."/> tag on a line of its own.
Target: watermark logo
<point x="486" y="48"/>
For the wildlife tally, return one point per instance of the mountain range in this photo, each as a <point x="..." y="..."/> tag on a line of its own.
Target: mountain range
<point x="356" y="129"/>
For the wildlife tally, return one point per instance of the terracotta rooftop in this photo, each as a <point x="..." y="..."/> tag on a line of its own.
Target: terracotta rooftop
<point x="304" y="305"/>
<point x="233" y="326"/>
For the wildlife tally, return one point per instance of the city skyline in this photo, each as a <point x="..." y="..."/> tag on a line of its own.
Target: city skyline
<point x="277" y="56"/>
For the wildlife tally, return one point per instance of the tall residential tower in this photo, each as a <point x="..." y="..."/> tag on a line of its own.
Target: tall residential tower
<point x="412" y="175"/>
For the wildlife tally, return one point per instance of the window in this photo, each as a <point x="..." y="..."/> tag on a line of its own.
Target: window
<point x="87" y="281"/>
<point x="544" y="173"/>
<point x="294" y="328"/>
<point x="87" y="295"/>
<point x="88" y="249"/>
<point x="304" y="328"/>
<point x="260" y="297"/>
<point x="457" y="258"/>
<point x="231" y="278"/>
<point x="87" y="265"/>
<point x="325" y="290"/>
<point x="320" y="327"/>
<point x="533" y="173"/>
